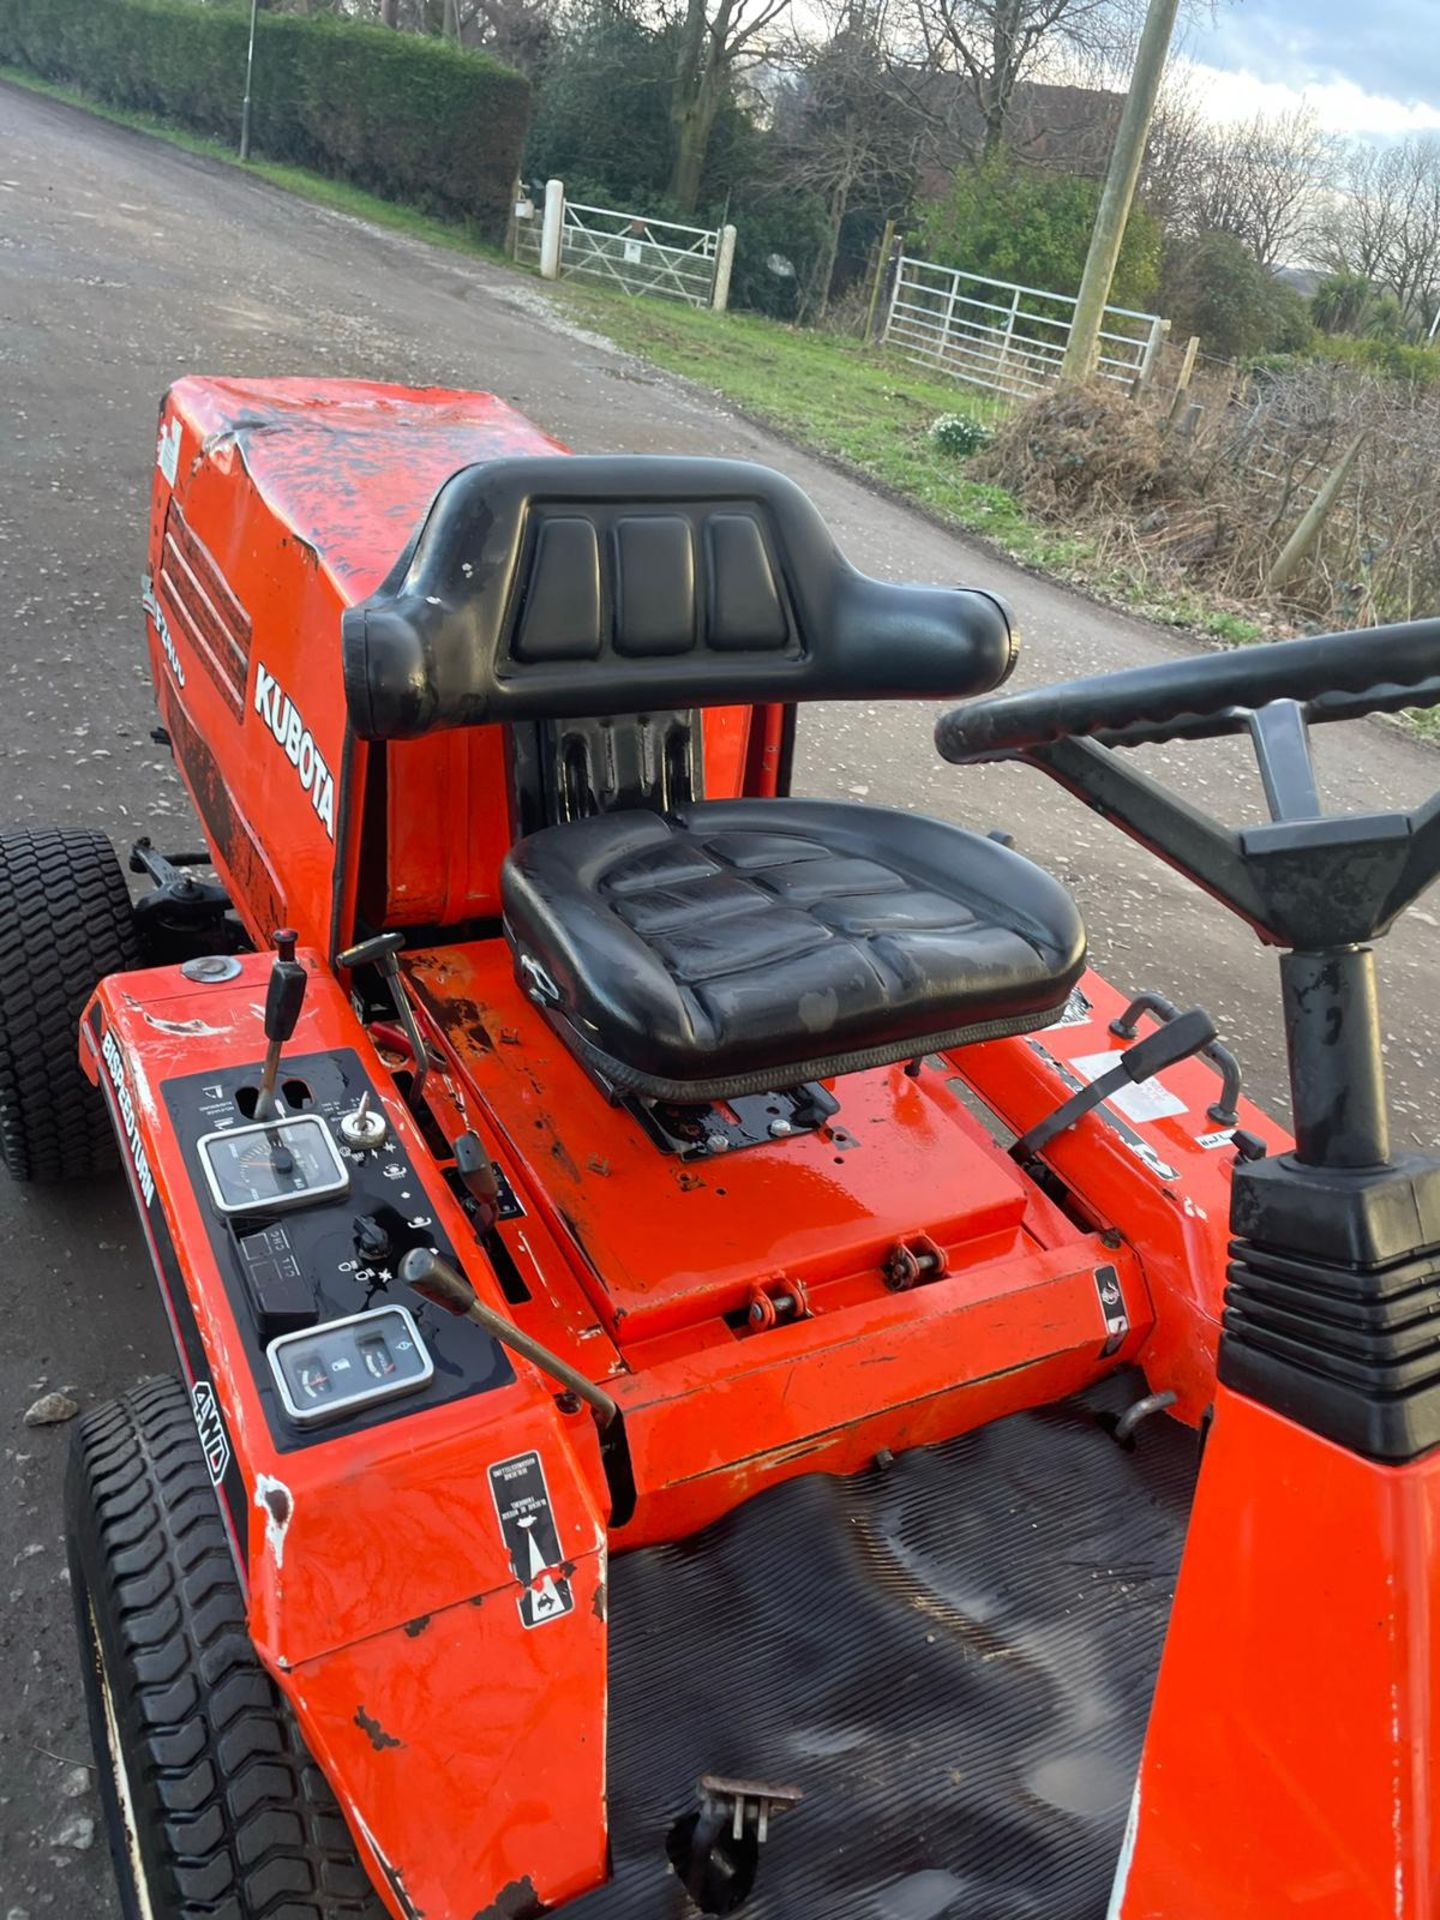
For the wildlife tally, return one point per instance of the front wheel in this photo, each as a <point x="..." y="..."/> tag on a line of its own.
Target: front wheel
<point x="65" y="922"/>
<point x="213" y="1805"/>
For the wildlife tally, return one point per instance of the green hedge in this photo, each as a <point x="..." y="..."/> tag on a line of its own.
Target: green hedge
<point x="406" y="116"/>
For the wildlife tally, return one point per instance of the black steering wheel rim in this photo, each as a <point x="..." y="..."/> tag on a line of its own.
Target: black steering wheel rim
<point x="1334" y="676"/>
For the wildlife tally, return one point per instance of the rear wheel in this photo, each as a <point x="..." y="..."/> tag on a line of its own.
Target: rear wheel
<point x="65" y="922"/>
<point x="214" y="1806"/>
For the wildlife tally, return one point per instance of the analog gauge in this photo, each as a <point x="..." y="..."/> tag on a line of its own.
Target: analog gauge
<point x="284" y="1163"/>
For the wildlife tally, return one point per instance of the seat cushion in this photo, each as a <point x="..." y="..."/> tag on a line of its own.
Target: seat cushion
<point x="736" y="946"/>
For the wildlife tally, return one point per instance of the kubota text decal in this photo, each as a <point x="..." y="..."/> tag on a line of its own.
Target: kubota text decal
<point x="282" y="717"/>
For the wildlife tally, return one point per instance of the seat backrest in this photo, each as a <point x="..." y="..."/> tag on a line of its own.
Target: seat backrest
<point x="539" y="588"/>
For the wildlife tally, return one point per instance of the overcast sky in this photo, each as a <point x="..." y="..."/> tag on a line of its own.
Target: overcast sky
<point x="1367" y="66"/>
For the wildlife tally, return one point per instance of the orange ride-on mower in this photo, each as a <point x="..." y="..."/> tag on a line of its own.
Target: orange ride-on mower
<point x="721" y="1369"/>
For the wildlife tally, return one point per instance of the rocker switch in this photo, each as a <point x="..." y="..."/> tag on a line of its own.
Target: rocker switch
<point x="372" y="1241"/>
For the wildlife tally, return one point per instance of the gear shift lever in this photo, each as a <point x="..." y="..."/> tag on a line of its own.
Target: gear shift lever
<point x="283" y="1001"/>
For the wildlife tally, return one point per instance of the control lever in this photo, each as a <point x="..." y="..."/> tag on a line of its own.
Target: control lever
<point x="477" y="1176"/>
<point x="437" y="1281"/>
<point x="381" y="952"/>
<point x="283" y="1001"/>
<point x="1187" y="1033"/>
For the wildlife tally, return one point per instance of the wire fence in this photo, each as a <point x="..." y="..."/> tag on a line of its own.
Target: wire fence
<point x="1208" y="480"/>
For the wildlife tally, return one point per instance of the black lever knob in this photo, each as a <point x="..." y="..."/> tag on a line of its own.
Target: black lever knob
<point x="286" y="993"/>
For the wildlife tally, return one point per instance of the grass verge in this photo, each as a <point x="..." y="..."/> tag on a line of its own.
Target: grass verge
<point x="338" y="195"/>
<point x="870" y="410"/>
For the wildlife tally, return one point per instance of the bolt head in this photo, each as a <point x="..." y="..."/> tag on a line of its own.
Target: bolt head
<point x="780" y="1128"/>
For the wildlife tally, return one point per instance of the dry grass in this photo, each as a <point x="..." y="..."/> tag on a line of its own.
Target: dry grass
<point x="1206" y="505"/>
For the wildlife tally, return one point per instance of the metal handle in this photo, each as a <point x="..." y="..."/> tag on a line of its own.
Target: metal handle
<point x="381" y="951"/>
<point x="442" y="1285"/>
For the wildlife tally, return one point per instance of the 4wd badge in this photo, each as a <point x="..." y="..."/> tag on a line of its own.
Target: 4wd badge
<point x="211" y="1429"/>
<point x="522" y="1501"/>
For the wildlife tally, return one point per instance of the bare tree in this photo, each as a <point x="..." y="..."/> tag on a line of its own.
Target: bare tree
<point x="714" y="40"/>
<point x="845" y="131"/>
<point x="992" y="47"/>
<point x="1385" y="223"/>
<point x="1263" y="181"/>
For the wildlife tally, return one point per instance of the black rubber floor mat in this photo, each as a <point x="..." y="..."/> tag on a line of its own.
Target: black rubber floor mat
<point x="953" y="1657"/>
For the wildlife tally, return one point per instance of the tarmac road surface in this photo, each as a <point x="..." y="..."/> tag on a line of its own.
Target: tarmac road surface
<point x="125" y="263"/>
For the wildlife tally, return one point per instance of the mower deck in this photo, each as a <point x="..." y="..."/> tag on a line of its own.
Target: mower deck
<point x="953" y="1656"/>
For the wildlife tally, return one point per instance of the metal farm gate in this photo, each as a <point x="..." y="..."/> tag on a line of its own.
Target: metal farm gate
<point x="625" y="250"/>
<point x="1007" y="338"/>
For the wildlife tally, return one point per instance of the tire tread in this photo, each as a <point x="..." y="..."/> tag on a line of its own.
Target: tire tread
<point x="65" y="922"/>
<point x="236" y="1819"/>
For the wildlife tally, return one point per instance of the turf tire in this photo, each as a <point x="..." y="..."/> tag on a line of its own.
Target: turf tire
<point x="65" y="922"/>
<point x="213" y="1805"/>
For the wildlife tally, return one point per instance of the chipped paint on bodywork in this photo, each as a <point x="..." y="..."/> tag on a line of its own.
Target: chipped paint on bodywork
<point x="374" y="1732"/>
<point x="182" y="1029"/>
<point x="326" y="463"/>
<point x="277" y="1503"/>
<point x="394" y="1879"/>
<point x="1127" y="1854"/>
<point x="515" y="1902"/>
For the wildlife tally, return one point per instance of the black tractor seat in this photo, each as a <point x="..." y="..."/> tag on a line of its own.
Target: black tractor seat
<point x="738" y="946"/>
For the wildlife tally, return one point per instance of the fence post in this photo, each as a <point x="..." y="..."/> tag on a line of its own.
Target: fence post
<point x="552" y="231"/>
<point x="1187" y="368"/>
<point x="724" y="266"/>
<point x="949" y="321"/>
<point x="1159" y="329"/>
<point x="512" y="224"/>
<point x="882" y="267"/>
<point x="890" y="291"/>
<point x="1316" y="514"/>
<point x="1009" y="336"/>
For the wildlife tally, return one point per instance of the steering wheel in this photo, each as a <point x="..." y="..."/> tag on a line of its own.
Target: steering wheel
<point x="1335" y="676"/>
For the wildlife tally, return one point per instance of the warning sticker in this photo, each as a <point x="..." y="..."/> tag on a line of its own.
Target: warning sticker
<point x="522" y="1502"/>
<point x="1112" y="1305"/>
<point x="1148" y="1100"/>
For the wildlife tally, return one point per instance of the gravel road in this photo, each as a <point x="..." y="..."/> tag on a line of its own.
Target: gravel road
<point x="125" y="263"/>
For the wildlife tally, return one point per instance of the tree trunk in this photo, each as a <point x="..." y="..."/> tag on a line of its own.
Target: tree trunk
<point x="694" y="122"/>
<point x="389" y="10"/>
<point x="694" y="104"/>
<point x="839" y="201"/>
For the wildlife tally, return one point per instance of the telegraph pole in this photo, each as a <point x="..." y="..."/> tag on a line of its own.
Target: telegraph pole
<point x="249" y="75"/>
<point x="1119" y="191"/>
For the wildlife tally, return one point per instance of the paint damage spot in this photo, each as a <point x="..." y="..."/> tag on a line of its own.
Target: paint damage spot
<point x="277" y="1503"/>
<point x="414" y="1628"/>
<point x="186" y="1029"/>
<point x="601" y="1602"/>
<point x="374" y="1732"/>
<point x="518" y="1901"/>
<point x="394" y="1879"/>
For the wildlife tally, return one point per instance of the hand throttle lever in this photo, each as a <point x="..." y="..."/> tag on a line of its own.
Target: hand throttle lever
<point x="442" y="1285"/>
<point x="283" y="1001"/>
<point x="381" y="952"/>
<point x="1187" y="1033"/>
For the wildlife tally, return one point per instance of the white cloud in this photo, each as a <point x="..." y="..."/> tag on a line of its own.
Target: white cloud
<point x="1342" y="106"/>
